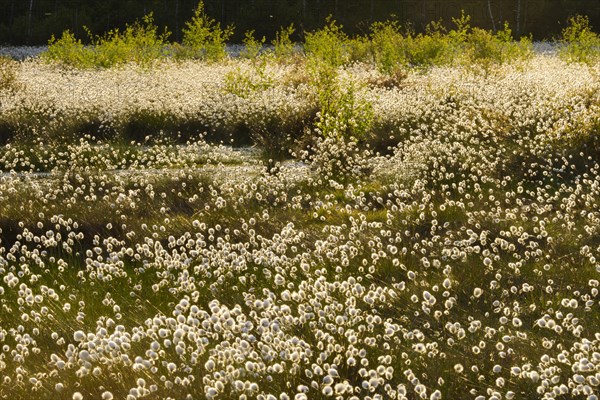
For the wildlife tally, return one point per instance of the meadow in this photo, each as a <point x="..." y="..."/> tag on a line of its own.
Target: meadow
<point x="397" y="216"/>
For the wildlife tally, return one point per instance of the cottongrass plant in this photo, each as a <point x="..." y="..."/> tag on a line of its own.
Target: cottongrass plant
<point x="458" y="257"/>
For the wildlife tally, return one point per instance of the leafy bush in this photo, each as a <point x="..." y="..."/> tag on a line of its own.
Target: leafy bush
<point x="427" y="50"/>
<point x="514" y="50"/>
<point x="283" y="45"/>
<point x="386" y="45"/>
<point x="67" y="50"/>
<point x="252" y="46"/>
<point x="486" y="49"/>
<point x="391" y="47"/>
<point x="327" y="46"/>
<point x="482" y="46"/>
<point x="360" y="49"/>
<point x="344" y="113"/>
<point x="143" y="42"/>
<point x="140" y="42"/>
<point x="244" y="83"/>
<point x="462" y="26"/>
<point x="580" y="43"/>
<point x="344" y="119"/>
<point x="203" y="37"/>
<point x="105" y="51"/>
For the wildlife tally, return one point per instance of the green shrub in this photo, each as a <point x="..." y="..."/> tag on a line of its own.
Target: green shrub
<point x="387" y="46"/>
<point x="460" y="33"/>
<point x="343" y="123"/>
<point x="324" y="79"/>
<point x="392" y="48"/>
<point x="339" y="101"/>
<point x="105" y="51"/>
<point x="344" y="113"/>
<point x="436" y="46"/>
<point x="283" y="45"/>
<point x="486" y="49"/>
<point x="426" y="50"/>
<point x="327" y="46"/>
<point x="203" y="37"/>
<point x="514" y="50"/>
<point x="483" y="47"/>
<point x="252" y="46"/>
<point x="140" y="42"/>
<point x="579" y="42"/>
<point x="67" y="50"/>
<point x="243" y="83"/>
<point x="143" y="42"/>
<point x="360" y="49"/>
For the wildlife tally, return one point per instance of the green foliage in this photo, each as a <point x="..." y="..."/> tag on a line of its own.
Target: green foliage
<point x="482" y="47"/>
<point x="344" y="116"/>
<point x="143" y="41"/>
<point x="204" y="38"/>
<point x="340" y="102"/>
<point x="486" y="49"/>
<point x="462" y="24"/>
<point x="391" y="47"/>
<point x="386" y="44"/>
<point x="283" y="45"/>
<point x="140" y="42"/>
<point x="244" y="82"/>
<point x="344" y="121"/>
<point x="67" y="49"/>
<point x="437" y="46"/>
<point x="359" y="49"/>
<point x="343" y="113"/>
<point x="427" y="50"/>
<point x="105" y="51"/>
<point x="517" y="50"/>
<point x="580" y="43"/>
<point x="327" y="46"/>
<point x="252" y="46"/>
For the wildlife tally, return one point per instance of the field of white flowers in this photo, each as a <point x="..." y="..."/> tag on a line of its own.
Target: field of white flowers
<point x="450" y="252"/>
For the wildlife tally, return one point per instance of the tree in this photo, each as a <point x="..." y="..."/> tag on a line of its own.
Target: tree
<point x="518" y="17"/>
<point x="29" y="21"/>
<point x="489" y="3"/>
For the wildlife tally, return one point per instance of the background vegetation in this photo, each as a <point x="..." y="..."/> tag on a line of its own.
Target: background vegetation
<point x="34" y="21"/>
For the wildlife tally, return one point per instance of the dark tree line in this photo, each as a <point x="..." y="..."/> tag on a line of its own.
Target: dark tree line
<point x="34" y="21"/>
